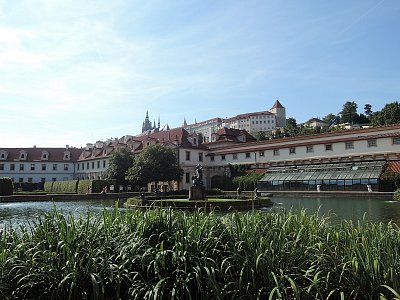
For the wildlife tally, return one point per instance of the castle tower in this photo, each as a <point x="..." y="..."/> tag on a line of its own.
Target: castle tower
<point x="146" y="124"/>
<point x="280" y="113"/>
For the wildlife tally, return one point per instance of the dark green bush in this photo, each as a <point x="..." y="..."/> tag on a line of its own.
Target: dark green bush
<point x="94" y="185"/>
<point x="68" y="186"/>
<point x="6" y="187"/>
<point x="396" y="195"/>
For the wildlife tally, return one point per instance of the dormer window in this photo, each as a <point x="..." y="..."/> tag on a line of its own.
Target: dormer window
<point x="3" y="155"/>
<point x="45" y="155"/>
<point x="23" y="155"/>
<point x="67" y="155"/>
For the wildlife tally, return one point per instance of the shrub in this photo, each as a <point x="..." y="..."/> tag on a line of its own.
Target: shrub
<point x="68" y="186"/>
<point x="48" y="186"/>
<point x="6" y="187"/>
<point x="396" y="195"/>
<point x="94" y="185"/>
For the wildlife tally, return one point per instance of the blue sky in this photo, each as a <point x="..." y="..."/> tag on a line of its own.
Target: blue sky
<point x="73" y="72"/>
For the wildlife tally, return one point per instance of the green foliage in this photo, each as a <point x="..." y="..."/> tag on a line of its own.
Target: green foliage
<point x="349" y="113"/>
<point x="291" y="128"/>
<point x="261" y="136"/>
<point x="68" y="186"/>
<point x="248" y="182"/>
<point x="390" y="114"/>
<point x="155" y="163"/>
<point x="166" y="254"/>
<point x="222" y="182"/>
<point x="6" y="187"/>
<point x="396" y="195"/>
<point x="93" y="185"/>
<point x="119" y="163"/>
<point x="48" y="186"/>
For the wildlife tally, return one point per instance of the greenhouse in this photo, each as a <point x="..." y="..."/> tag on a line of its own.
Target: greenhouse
<point x="352" y="176"/>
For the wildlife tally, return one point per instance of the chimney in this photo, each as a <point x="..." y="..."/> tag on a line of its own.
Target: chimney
<point x="66" y="146"/>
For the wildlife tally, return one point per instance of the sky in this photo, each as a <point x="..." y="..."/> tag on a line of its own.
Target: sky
<point x="74" y="72"/>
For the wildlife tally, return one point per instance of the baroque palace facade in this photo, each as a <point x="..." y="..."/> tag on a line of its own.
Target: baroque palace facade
<point x="347" y="159"/>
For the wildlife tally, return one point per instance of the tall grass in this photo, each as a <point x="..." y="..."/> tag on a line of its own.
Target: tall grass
<point x="165" y="254"/>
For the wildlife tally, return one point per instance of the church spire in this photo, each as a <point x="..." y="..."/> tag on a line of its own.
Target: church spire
<point x="184" y="122"/>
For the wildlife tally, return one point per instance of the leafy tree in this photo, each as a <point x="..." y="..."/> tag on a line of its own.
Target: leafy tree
<point x="261" y="136"/>
<point x="391" y="113"/>
<point x="368" y="110"/>
<point x="331" y="119"/>
<point x="349" y="113"/>
<point x="291" y="127"/>
<point x="155" y="163"/>
<point x="120" y="161"/>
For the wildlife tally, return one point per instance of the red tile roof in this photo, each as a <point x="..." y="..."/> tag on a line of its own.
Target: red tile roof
<point x="277" y="104"/>
<point x="393" y="166"/>
<point x="35" y="154"/>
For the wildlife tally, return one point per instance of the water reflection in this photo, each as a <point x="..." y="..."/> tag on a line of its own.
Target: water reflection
<point x="374" y="209"/>
<point x="23" y="213"/>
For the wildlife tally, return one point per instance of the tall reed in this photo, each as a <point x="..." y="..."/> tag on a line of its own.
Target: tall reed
<point x="165" y="254"/>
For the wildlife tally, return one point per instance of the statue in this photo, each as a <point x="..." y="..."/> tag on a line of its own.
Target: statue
<point x="198" y="177"/>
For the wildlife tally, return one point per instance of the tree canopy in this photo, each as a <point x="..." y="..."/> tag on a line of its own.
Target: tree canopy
<point x="155" y="163"/>
<point x="390" y="114"/>
<point x="120" y="161"/>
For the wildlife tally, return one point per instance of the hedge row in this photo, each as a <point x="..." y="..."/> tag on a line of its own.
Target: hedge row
<point x="77" y="186"/>
<point x="6" y="187"/>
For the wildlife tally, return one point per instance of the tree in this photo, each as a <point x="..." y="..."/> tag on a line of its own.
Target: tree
<point x="331" y="119"/>
<point x="261" y="136"/>
<point x="349" y="113"/>
<point x="155" y="163"/>
<point x="291" y="127"/>
<point x="368" y="110"/>
<point x="391" y="113"/>
<point x="119" y="163"/>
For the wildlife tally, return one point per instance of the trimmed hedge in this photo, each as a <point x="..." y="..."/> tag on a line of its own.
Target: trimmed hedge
<point x="68" y="186"/>
<point x="6" y="187"/>
<point x="93" y="185"/>
<point x="396" y="195"/>
<point x="48" y="186"/>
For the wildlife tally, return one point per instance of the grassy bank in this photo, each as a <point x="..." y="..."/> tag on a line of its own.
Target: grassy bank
<point x="165" y="254"/>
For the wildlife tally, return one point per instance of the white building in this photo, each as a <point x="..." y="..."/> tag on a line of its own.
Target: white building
<point x="38" y="164"/>
<point x="205" y="128"/>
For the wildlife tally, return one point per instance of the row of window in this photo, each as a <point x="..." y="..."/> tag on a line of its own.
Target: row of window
<point x="30" y="179"/>
<point x="45" y="155"/>
<point x="309" y="149"/>
<point x="32" y="167"/>
<point x="188" y="156"/>
<point x="81" y="166"/>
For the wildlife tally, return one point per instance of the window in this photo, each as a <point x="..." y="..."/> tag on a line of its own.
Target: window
<point x="42" y="179"/>
<point x="54" y="167"/>
<point x="54" y="179"/>
<point x="200" y="156"/>
<point x="310" y="149"/>
<point x="235" y="156"/>
<point x="187" y="175"/>
<point x="396" y="141"/>
<point x="292" y="150"/>
<point x="1" y="167"/>
<point x="66" y="166"/>
<point x="328" y="147"/>
<point x="87" y="166"/>
<point x="223" y="157"/>
<point x="30" y="179"/>
<point x="20" y="180"/>
<point x="92" y="164"/>
<point x="349" y="145"/>
<point x="276" y="152"/>
<point x="21" y="167"/>
<point x="187" y="155"/>
<point x="12" y="167"/>
<point x="261" y="153"/>
<point x="248" y="154"/>
<point x="104" y="163"/>
<point x="44" y="167"/>
<point x="2" y="156"/>
<point x="22" y="155"/>
<point x="212" y="158"/>
<point x="77" y="166"/>
<point x="83" y="166"/>
<point x="32" y="167"/>
<point x="98" y="164"/>
<point x="371" y="143"/>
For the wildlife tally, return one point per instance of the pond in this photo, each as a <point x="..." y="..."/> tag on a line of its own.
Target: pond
<point x="375" y="209"/>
